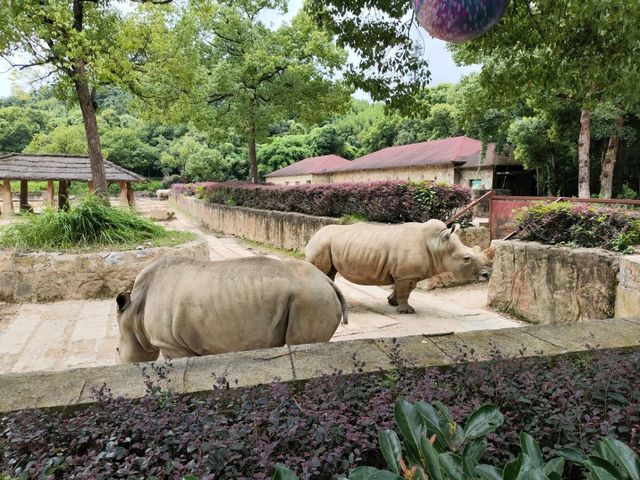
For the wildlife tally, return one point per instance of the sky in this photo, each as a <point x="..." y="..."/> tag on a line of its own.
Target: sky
<point x="442" y="67"/>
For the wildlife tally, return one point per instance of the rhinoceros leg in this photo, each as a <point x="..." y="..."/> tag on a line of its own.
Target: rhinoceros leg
<point x="393" y="299"/>
<point x="402" y="289"/>
<point x="313" y="320"/>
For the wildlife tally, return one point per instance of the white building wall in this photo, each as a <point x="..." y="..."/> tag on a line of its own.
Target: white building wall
<point x="484" y="174"/>
<point x="290" y="180"/>
<point x="444" y="174"/>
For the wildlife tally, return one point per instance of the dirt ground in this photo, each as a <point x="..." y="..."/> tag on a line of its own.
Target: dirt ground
<point x="85" y="333"/>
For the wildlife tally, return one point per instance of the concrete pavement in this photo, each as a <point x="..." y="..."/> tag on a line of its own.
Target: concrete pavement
<point x="35" y="337"/>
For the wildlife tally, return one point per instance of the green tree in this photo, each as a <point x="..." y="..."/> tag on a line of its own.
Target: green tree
<point x="234" y="74"/>
<point x="74" y="40"/>
<point x="390" y="66"/>
<point x="547" y="50"/>
<point x="283" y="151"/>
<point x="18" y="125"/>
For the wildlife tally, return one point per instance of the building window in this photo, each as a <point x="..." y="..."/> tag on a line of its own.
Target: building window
<point x="308" y="181"/>
<point x="475" y="183"/>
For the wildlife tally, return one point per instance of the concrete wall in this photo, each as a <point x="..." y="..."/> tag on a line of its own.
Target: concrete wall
<point x="280" y="229"/>
<point x="51" y="277"/>
<point x="440" y="173"/>
<point x="291" y="180"/>
<point x="485" y="174"/>
<point x="551" y="284"/>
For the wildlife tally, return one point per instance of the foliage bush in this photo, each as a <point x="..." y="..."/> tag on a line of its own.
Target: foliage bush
<point x="324" y="427"/>
<point x="91" y="224"/>
<point x="391" y="202"/>
<point x="581" y="225"/>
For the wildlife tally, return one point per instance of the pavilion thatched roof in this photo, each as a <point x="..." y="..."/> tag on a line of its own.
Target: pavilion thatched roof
<point x="36" y="166"/>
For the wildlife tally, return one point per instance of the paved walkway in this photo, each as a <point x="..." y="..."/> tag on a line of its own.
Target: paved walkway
<point x="84" y="333"/>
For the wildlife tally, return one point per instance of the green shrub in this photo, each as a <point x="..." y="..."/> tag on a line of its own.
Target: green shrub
<point x="91" y="224"/>
<point x="579" y="225"/>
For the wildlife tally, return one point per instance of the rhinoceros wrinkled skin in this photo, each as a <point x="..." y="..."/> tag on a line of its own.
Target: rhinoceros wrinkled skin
<point x="398" y="255"/>
<point x="182" y="307"/>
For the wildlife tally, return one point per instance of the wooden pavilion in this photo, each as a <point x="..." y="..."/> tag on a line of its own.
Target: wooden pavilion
<point x="61" y="168"/>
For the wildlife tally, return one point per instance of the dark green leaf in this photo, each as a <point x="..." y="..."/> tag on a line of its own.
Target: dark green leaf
<point x="391" y="449"/>
<point x="573" y="455"/>
<point x="488" y="472"/>
<point x="531" y="449"/>
<point x="554" y="465"/>
<point x="432" y="420"/>
<point x="411" y="428"/>
<point x="432" y="464"/>
<point x="370" y="473"/>
<point x="451" y="465"/>
<point x="484" y="420"/>
<point x="283" y="473"/>
<point x="623" y="456"/>
<point x="512" y="469"/>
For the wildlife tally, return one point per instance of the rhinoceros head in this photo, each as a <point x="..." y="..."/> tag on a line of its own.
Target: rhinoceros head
<point x="130" y="347"/>
<point x="451" y="255"/>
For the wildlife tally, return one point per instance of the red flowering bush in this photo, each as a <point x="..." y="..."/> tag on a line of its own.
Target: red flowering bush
<point x="389" y="202"/>
<point x="581" y="225"/>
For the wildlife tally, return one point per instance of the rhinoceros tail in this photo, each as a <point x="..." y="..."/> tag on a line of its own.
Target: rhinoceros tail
<point x="343" y="301"/>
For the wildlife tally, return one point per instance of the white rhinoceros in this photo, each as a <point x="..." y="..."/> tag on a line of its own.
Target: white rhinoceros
<point x="183" y="307"/>
<point x="398" y="255"/>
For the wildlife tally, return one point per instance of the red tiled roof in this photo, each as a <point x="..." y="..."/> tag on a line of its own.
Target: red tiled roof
<point x="311" y="165"/>
<point x="460" y="151"/>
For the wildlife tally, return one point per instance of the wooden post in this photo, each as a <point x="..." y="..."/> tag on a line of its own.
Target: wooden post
<point x="63" y="195"/>
<point x="7" y="202"/>
<point x="131" y="198"/>
<point x="24" y="196"/>
<point x="124" y="196"/>
<point x="51" y="191"/>
<point x="91" y="185"/>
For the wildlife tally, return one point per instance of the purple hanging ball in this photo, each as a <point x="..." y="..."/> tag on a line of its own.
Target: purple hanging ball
<point x="459" y="20"/>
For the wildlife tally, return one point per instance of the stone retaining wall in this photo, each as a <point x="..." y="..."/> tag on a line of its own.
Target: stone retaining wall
<point x="553" y="284"/>
<point x="191" y="375"/>
<point x="286" y="230"/>
<point x="51" y="277"/>
<point x="628" y="291"/>
<point x="281" y="229"/>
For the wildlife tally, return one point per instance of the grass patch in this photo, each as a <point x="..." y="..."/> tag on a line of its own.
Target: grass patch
<point x="89" y="226"/>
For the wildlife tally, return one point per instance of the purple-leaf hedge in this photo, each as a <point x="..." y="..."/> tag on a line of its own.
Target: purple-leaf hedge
<point x="325" y="426"/>
<point x="581" y="225"/>
<point x="389" y="202"/>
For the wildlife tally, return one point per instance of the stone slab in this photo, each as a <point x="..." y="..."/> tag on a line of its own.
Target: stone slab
<point x="323" y="359"/>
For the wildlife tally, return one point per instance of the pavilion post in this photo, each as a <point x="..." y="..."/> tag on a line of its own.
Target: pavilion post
<point x="24" y="196"/>
<point x="131" y="198"/>
<point x="7" y="201"/>
<point x="51" y="192"/>
<point x="124" y="195"/>
<point x="63" y="195"/>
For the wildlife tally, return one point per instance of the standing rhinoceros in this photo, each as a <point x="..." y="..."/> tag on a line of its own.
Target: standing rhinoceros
<point x="398" y="255"/>
<point x="182" y="307"/>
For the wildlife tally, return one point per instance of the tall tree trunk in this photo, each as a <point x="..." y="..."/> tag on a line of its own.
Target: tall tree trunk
<point x="553" y="175"/>
<point x="88" y="109"/>
<point x="253" y="161"/>
<point x="584" y="143"/>
<point x="93" y="136"/>
<point x="609" y="161"/>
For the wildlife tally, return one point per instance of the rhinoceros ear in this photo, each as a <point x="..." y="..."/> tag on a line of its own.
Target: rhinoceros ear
<point x="446" y="233"/>
<point x="123" y="300"/>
